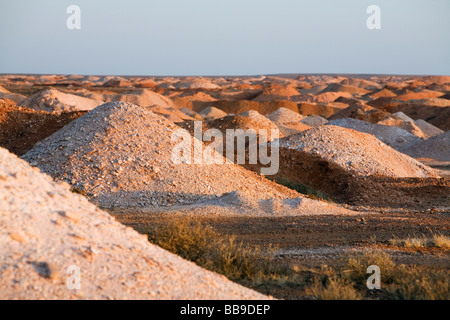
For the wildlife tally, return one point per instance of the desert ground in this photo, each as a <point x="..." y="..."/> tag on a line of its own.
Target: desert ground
<point x="87" y="179"/>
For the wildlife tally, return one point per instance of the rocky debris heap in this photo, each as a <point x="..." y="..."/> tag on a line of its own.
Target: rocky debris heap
<point x="437" y="147"/>
<point x="52" y="100"/>
<point x="357" y="152"/>
<point x="121" y="155"/>
<point x="48" y="234"/>
<point x="314" y="121"/>
<point x="210" y="113"/>
<point x="394" y="137"/>
<point x="283" y="115"/>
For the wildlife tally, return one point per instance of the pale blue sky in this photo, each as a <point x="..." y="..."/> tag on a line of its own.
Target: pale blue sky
<point x="225" y="37"/>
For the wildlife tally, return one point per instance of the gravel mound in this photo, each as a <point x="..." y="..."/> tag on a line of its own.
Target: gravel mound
<point x="361" y="112"/>
<point x="212" y="113"/>
<point x="437" y="147"/>
<point x="15" y="97"/>
<point x="409" y="126"/>
<point x="52" y="100"/>
<point x="46" y="229"/>
<point x="400" y="115"/>
<point x="314" y="121"/>
<point x="357" y="152"/>
<point x="120" y="155"/>
<point x="277" y="93"/>
<point x="284" y="115"/>
<point x="428" y="129"/>
<point x="335" y="87"/>
<point x="392" y="136"/>
<point x="145" y="98"/>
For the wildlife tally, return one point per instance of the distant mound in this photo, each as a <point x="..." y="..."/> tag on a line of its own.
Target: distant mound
<point x="435" y="115"/>
<point x="276" y="92"/>
<point x="212" y="113"/>
<point x="426" y="94"/>
<point x="392" y="136"/>
<point x="145" y="98"/>
<point x="314" y="121"/>
<point x="283" y="115"/>
<point x="323" y="110"/>
<point x="196" y="83"/>
<point x="383" y="93"/>
<point x="361" y="83"/>
<point x="339" y="88"/>
<point x="409" y="126"/>
<point x="239" y="106"/>
<point x="361" y="112"/>
<point x="428" y="129"/>
<point x="49" y="233"/>
<point x="437" y="147"/>
<point x="52" y="100"/>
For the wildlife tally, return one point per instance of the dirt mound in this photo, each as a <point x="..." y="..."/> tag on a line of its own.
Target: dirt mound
<point x="342" y="88"/>
<point x="145" y="98"/>
<point x="145" y="83"/>
<point x="392" y="136"/>
<point x="385" y="103"/>
<point x="437" y="147"/>
<point x="426" y="94"/>
<point x="437" y="79"/>
<point x="4" y="90"/>
<point x="47" y="230"/>
<point x="437" y="116"/>
<point x="327" y="110"/>
<point x="290" y="128"/>
<point x="439" y="87"/>
<point x="239" y="106"/>
<point x="21" y="128"/>
<point x="171" y="114"/>
<point x="409" y="126"/>
<point x="361" y="112"/>
<point x="199" y="96"/>
<point x="428" y="129"/>
<point x="314" y="121"/>
<point x="445" y="96"/>
<point x="361" y="83"/>
<point x="325" y="97"/>
<point x="212" y="113"/>
<point x="383" y="93"/>
<point x="431" y="102"/>
<point x="275" y="92"/>
<point x="400" y="115"/>
<point x="196" y="83"/>
<point x="284" y="115"/>
<point x="52" y="100"/>
<point x="356" y="152"/>
<point x="120" y="154"/>
<point x="15" y="97"/>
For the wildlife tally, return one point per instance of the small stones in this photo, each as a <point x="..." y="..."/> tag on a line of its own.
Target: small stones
<point x="45" y="269"/>
<point x="71" y="215"/>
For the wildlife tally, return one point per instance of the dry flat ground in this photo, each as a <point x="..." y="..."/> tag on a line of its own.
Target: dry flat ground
<point x="319" y="240"/>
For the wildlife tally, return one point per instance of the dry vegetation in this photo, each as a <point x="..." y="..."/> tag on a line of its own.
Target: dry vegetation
<point x="262" y="270"/>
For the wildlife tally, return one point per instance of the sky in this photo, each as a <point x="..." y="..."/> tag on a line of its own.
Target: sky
<point x="225" y="37"/>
